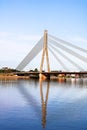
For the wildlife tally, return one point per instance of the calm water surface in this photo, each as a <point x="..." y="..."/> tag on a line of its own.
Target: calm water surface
<point x="49" y="105"/>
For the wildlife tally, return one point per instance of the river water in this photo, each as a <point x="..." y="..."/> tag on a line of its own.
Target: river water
<point x="49" y="105"/>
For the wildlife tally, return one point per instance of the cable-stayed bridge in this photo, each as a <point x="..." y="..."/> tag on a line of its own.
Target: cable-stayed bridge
<point x="65" y="53"/>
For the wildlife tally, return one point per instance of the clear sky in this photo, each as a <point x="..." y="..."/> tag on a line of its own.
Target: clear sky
<point x="22" y="23"/>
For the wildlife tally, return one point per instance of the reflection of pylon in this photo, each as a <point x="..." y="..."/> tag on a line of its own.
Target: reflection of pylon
<point x="45" y="51"/>
<point x="44" y="103"/>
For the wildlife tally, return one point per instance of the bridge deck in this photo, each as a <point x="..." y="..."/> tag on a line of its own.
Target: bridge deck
<point x="50" y="73"/>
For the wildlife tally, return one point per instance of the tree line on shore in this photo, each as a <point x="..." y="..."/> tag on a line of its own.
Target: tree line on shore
<point x="10" y="70"/>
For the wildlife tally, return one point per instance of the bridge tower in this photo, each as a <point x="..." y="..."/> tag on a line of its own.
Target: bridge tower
<point x="45" y="52"/>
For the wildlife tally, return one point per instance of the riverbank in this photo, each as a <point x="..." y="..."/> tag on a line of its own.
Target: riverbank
<point x="12" y="76"/>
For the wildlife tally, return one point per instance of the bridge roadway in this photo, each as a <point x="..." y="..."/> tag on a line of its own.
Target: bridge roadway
<point x="49" y="74"/>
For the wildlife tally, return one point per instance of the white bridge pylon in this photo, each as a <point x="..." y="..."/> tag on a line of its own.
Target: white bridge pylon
<point x="42" y="44"/>
<point x="58" y="48"/>
<point x="45" y="51"/>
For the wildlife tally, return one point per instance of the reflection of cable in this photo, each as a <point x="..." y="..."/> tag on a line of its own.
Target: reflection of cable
<point x="30" y="100"/>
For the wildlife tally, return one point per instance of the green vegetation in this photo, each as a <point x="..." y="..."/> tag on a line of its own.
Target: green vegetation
<point x="7" y="70"/>
<point x="35" y="70"/>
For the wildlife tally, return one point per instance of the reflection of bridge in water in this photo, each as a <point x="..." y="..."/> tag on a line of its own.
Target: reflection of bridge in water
<point x="30" y="104"/>
<point x="41" y="111"/>
<point x="33" y="102"/>
<point x="67" y="55"/>
<point x="44" y="103"/>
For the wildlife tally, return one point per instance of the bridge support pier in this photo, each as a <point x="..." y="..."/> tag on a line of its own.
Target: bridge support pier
<point x="42" y="77"/>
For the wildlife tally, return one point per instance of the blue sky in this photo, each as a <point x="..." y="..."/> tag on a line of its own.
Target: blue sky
<point x="22" y="23"/>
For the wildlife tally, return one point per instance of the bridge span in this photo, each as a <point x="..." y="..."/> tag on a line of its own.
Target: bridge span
<point x="49" y="74"/>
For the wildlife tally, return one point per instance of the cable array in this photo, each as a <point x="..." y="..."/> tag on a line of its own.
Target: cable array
<point x="31" y="55"/>
<point x="58" y="48"/>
